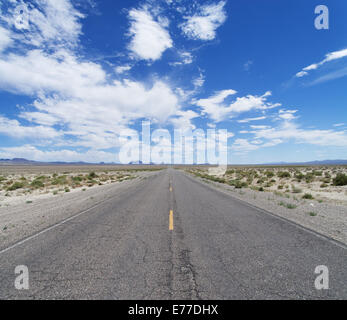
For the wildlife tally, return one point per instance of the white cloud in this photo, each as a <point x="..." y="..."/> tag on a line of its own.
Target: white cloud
<point x="336" y="55"/>
<point x="328" y="57"/>
<point x="251" y="102"/>
<point x="218" y="110"/>
<point x="78" y="95"/>
<point x="52" y="23"/>
<point x="122" y="69"/>
<point x="243" y="145"/>
<point x="203" y="25"/>
<point x="330" y="76"/>
<point x="199" y="81"/>
<point x="287" y="114"/>
<point x="251" y="119"/>
<point x="289" y="130"/>
<point x="14" y="129"/>
<point x="339" y="124"/>
<point x="214" y="106"/>
<point x="301" y="74"/>
<point x="184" y="119"/>
<point x="260" y="127"/>
<point x="33" y="153"/>
<point x="5" y="39"/>
<point x="149" y="37"/>
<point x="186" y="58"/>
<point x="38" y="72"/>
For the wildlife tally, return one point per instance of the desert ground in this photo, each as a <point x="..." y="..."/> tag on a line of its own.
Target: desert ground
<point x="322" y="183"/>
<point x="26" y="184"/>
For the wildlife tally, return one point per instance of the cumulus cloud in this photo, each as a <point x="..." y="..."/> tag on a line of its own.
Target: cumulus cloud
<point x="218" y="110"/>
<point x="150" y="38"/>
<point x="203" y="24"/>
<point x="74" y="94"/>
<point x="52" y="23"/>
<point x="14" y="129"/>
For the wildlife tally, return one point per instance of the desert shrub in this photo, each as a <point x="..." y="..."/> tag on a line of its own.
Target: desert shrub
<point x="318" y="173"/>
<point x="269" y="174"/>
<point x="40" y="178"/>
<point x="287" y="205"/>
<point x="77" y="179"/>
<point x="61" y="180"/>
<point x="323" y="185"/>
<point x="240" y="185"/>
<point x="37" y="183"/>
<point x="15" y="186"/>
<point x="92" y="175"/>
<point x="299" y="175"/>
<point x="308" y="196"/>
<point x="309" y="177"/>
<point x="340" y="180"/>
<point x="283" y="174"/>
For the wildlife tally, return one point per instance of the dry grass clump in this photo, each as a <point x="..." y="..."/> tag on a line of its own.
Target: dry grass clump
<point x="296" y="180"/>
<point x="15" y="185"/>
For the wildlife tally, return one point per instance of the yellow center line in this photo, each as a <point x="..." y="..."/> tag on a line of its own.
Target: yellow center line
<point x="171" y="223"/>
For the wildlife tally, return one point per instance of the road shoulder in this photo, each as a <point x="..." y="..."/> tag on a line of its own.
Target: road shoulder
<point x="329" y="219"/>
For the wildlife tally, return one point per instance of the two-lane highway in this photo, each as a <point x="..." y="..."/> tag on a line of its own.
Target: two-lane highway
<point x="172" y="237"/>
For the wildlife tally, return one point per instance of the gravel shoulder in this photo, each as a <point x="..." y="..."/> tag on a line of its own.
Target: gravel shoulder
<point x="22" y="220"/>
<point x="327" y="218"/>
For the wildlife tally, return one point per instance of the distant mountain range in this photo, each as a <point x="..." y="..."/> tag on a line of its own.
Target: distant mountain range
<point x="312" y="163"/>
<point x="21" y="161"/>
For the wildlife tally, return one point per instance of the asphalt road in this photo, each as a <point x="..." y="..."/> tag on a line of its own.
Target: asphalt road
<point x="173" y="237"/>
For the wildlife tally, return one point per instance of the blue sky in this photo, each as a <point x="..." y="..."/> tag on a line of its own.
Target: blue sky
<point x="76" y="74"/>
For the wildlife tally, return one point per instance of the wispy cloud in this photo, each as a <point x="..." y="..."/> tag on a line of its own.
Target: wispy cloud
<point x="335" y="55"/>
<point x="251" y="119"/>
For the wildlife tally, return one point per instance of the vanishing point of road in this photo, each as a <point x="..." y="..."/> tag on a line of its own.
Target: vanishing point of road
<point x="171" y="236"/>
